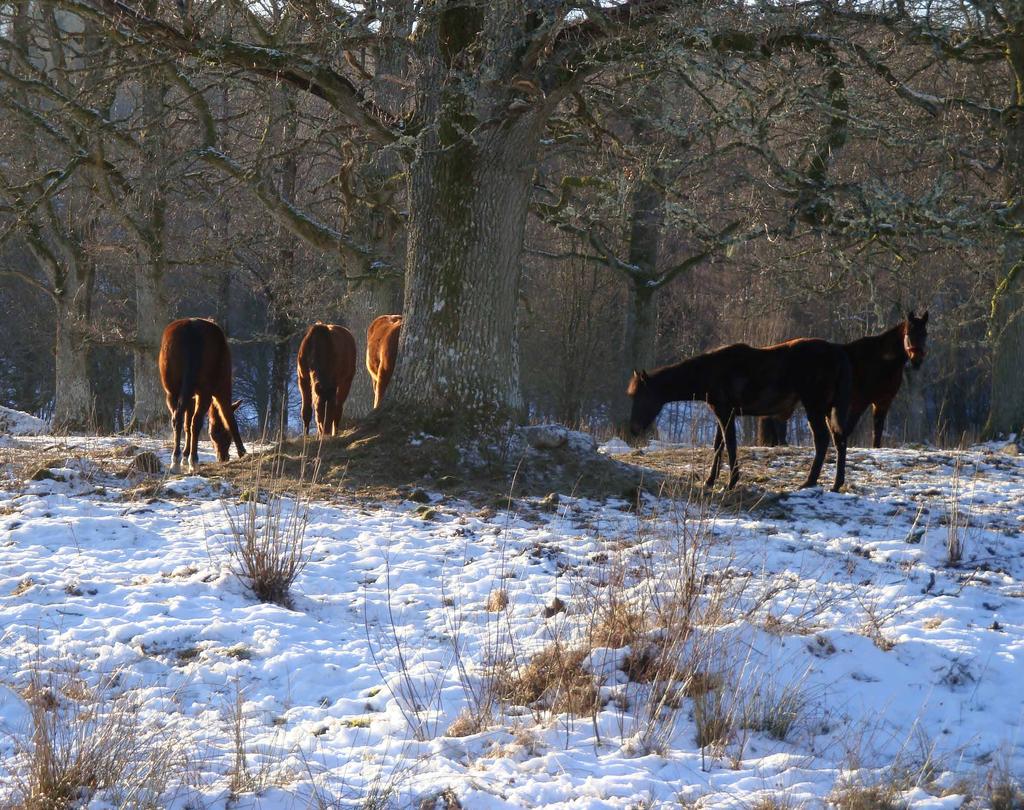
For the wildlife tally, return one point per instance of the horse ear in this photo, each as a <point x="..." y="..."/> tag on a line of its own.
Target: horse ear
<point x="910" y="315"/>
<point x="924" y="318"/>
<point x="235" y="404"/>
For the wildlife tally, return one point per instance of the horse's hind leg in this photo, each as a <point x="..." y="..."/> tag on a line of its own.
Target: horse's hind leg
<point x="820" y="431"/>
<point x="177" y="424"/>
<point x="196" y="422"/>
<point x="730" y="446"/>
<point x="716" y="461"/>
<point x="839" y="440"/>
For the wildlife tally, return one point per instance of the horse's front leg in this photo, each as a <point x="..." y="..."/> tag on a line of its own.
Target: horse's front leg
<point x="730" y="445"/>
<point x="306" y="391"/>
<point x="716" y="460"/>
<point x="820" y="431"/>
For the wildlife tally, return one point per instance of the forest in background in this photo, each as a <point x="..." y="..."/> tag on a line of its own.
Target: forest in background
<point x="695" y="174"/>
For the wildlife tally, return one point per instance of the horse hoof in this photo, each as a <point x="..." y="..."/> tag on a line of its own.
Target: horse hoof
<point x="175" y="469"/>
<point x="808" y="485"/>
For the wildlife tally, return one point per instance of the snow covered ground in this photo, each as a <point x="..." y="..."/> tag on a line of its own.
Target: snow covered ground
<point x="833" y="621"/>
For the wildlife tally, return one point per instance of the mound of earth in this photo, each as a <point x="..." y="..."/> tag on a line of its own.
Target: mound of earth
<point x="524" y="461"/>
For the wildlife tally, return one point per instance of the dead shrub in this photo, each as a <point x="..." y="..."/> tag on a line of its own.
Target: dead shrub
<point x="267" y="546"/>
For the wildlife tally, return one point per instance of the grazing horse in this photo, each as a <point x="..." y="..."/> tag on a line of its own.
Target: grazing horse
<point x="195" y="369"/>
<point x="326" y="366"/>
<point x="740" y="380"/>
<point x="877" y="363"/>
<point x="382" y="352"/>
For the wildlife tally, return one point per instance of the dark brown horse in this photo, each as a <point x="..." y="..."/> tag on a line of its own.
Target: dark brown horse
<point x="740" y="380"/>
<point x="382" y="352"/>
<point x="326" y="366"/>
<point x="195" y="369"/>
<point x="877" y="363"/>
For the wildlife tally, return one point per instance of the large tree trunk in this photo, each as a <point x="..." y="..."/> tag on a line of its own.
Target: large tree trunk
<point x="639" y="345"/>
<point x="459" y="350"/>
<point x="72" y="400"/>
<point x="1006" y="414"/>
<point x="281" y="370"/>
<point x="469" y="187"/>
<point x="150" y="410"/>
<point x="379" y="225"/>
<point x="151" y="310"/>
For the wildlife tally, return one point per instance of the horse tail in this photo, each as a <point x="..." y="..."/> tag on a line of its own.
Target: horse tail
<point x="843" y="393"/>
<point x="193" y="356"/>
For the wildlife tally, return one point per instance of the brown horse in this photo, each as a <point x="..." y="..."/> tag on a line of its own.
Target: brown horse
<point x="740" y="380"/>
<point x="877" y="363"/>
<point x="382" y="352"/>
<point x="195" y="369"/>
<point x="326" y="366"/>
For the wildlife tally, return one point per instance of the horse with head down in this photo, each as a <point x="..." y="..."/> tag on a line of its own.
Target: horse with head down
<point x="195" y="369"/>
<point x="325" y="367"/>
<point x="382" y="352"/>
<point x="739" y="380"/>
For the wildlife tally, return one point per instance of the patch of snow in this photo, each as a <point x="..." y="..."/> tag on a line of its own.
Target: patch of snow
<point x="18" y="423"/>
<point x="614" y="447"/>
<point x="847" y="600"/>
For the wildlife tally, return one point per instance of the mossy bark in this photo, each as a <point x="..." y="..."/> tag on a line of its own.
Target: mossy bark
<point x="469" y="187"/>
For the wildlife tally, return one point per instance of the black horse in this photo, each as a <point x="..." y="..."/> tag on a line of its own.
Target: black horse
<point x="739" y="380"/>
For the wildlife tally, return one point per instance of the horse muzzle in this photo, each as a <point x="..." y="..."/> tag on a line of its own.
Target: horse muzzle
<point x="916" y="358"/>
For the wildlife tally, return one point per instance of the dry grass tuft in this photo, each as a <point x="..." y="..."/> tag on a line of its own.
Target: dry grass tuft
<point x="84" y="740"/>
<point x="776" y="711"/>
<point x="1002" y="791"/>
<point x="556" y="677"/>
<point x="497" y="601"/>
<point x="854" y="795"/>
<point x="618" y="625"/>
<point x="713" y="717"/>
<point x="464" y="725"/>
<point x="773" y="801"/>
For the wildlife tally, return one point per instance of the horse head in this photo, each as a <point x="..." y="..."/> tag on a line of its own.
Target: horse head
<point x="220" y="434"/>
<point x="915" y="334"/>
<point x="647" y="403"/>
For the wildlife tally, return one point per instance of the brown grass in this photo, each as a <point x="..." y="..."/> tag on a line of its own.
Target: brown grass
<point x="83" y="740"/>
<point x="497" y="601"/>
<point x="554" y="677"/>
<point x="855" y="796"/>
